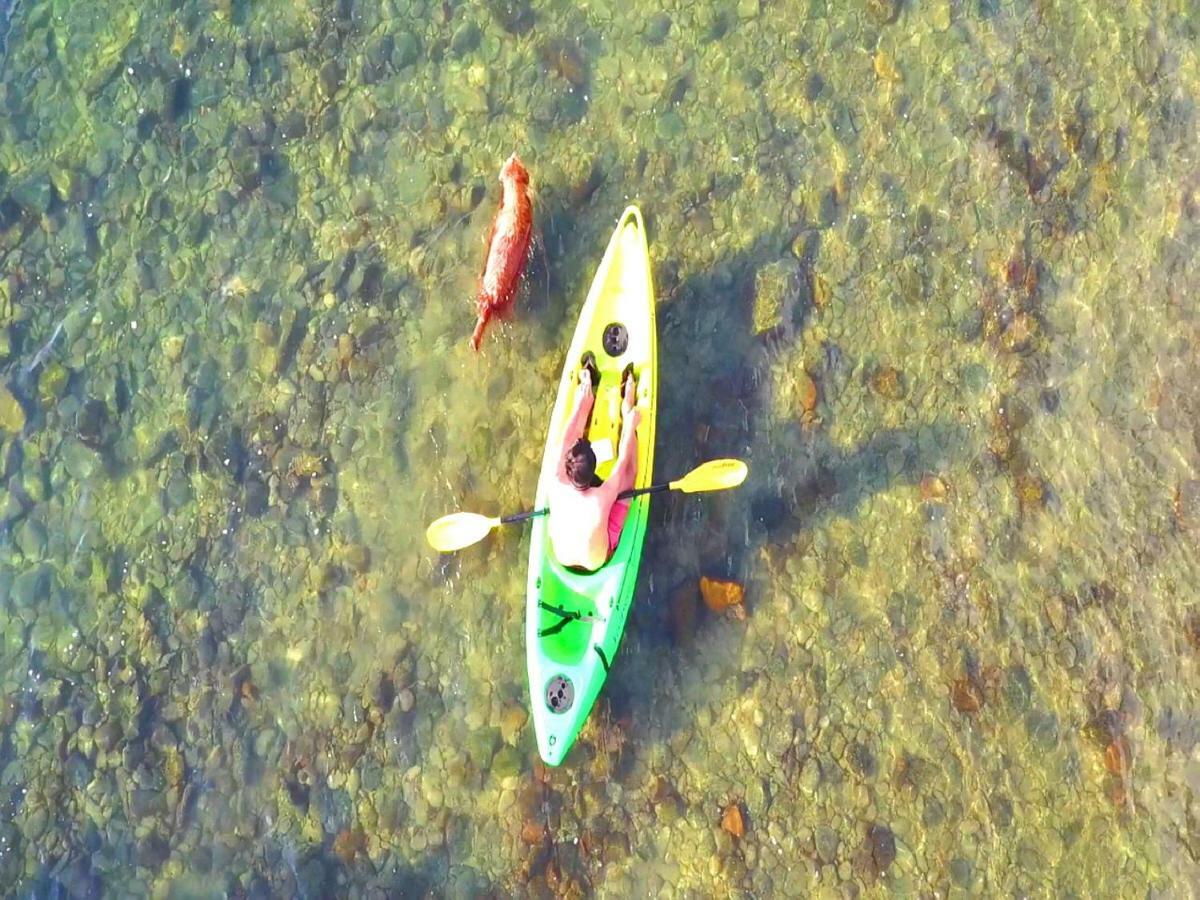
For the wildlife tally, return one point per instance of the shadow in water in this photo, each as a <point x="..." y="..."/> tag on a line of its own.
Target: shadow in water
<point x="714" y="401"/>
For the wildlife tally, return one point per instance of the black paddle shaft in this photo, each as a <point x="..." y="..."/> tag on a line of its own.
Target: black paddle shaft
<point x="624" y="495"/>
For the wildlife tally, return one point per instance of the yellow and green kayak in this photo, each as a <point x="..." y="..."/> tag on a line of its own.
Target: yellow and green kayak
<point x="573" y="619"/>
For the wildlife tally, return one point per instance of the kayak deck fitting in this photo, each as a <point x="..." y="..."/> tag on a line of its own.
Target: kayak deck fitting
<point x="573" y="619"/>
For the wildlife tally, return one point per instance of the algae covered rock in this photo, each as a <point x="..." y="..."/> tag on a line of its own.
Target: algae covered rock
<point x="12" y="414"/>
<point x="775" y="295"/>
<point x="34" y="194"/>
<point x="512" y="721"/>
<point x="31" y="587"/>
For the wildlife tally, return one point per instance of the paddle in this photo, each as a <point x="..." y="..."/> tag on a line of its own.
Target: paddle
<point x="462" y="529"/>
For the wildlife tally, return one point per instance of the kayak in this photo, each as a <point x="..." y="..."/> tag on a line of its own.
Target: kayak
<point x="574" y="619"/>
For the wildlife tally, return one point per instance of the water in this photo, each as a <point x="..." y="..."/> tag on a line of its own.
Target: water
<point x="929" y="268"/>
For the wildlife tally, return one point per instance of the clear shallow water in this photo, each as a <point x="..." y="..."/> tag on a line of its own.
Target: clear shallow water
<point x="930" y="270"/>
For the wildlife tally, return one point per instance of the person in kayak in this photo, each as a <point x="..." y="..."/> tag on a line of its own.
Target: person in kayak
<point x="586" y="516"/>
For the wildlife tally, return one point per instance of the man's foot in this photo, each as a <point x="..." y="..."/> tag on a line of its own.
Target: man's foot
<point x="628" y="388"/>
<point x="588" y="361"/>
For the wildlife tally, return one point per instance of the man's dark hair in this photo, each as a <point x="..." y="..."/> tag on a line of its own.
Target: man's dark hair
<point x="581" y="464"/>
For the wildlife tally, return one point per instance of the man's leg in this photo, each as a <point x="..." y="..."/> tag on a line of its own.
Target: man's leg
<point x="590" y="400"/>
<point x="629" y="461"/>
<point x="626" y="472"/>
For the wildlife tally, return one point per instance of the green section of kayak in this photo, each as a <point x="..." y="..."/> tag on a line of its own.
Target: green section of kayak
<point x="574" y="620"/>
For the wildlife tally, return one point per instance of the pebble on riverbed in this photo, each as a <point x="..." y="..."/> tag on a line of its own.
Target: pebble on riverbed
<point x="733" y="822"/>
<point x="966" y="695"/>
<point x="888" y="382"/>
<point x="883" y="846"/>
<point x="933" y="489"/>
<point x="808" y="395"/>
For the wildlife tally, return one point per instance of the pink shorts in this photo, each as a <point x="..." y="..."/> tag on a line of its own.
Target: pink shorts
<point x="616" y="521"/>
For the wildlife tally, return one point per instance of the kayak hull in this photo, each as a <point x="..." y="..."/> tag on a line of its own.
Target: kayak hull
<point x="574" y="620"/>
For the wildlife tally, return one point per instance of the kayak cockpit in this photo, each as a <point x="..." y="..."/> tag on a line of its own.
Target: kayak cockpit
<point x="570" y="612"/>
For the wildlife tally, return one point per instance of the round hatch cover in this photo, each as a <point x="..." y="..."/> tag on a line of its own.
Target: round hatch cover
<point x="560" y="694"/>
<point x="616" y="339"/>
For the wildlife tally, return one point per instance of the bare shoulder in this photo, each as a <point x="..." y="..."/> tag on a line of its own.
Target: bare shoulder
<point x="604" y="495"/>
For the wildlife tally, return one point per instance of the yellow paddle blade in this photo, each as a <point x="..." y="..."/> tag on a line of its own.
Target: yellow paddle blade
<point x="458" y="530"/>
<point x="714" y="475"/>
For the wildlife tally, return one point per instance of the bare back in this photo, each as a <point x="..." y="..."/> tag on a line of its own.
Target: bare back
<point x="578" y="524"/>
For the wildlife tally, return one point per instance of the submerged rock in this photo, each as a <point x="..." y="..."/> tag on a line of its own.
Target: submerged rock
<point x="885" y="66"/>
<point x="1191" y="629"/>
<point x="406" y="700"/>
<point x="966" y="696"/>
<point x="827" y="844"/>
<point x="12" y="414"/>
<point x="658" y="26"/>
<point x="1187" y="503"/>
<point x="720" y="595"/>
<point x="465" y="39"/>
<point x="34" y="194"/>
<point x="512" y="721"/>
<point x="533" y="833"/>
<point x="1043" y="729"/>
<point x="514" y="16"/>
<point x="933" y="489"/>
<point x="31" y="587"/>
<point x="357" y="558"/>
<point x="91" y="424"/>
<point x="732" y="821"/>
<point x="152" y="851"/>
<point x="1031" y="491"/>
<point x="888" y="382"/>
<point x="79" y="770"/>
<point x="108" y="735"/>
<point x="881" y="844"/>
<point x="806" y="390"/>
<point x="774" y="294"/>
<point x="349" y="844"/>
<point x="506" y="762"/>
<point x="885" y="12"/>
